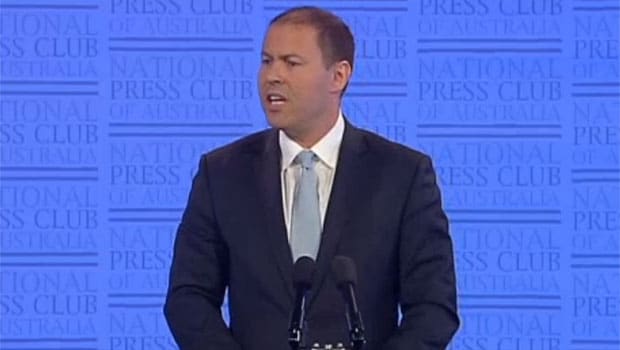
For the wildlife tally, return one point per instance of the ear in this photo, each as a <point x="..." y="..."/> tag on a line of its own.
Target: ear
<point x="341" y="73"/>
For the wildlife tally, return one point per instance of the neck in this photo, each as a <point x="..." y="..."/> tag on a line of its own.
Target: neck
<point x="310" y="137"/>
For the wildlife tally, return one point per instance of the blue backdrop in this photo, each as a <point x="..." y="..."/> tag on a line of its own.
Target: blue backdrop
<point x="106" y="107"/>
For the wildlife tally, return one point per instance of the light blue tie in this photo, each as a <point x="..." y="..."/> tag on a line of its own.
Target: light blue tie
<point x="306" y="217"/>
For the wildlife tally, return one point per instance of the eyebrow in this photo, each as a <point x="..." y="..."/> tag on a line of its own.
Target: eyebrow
<point x="287" y="56"/>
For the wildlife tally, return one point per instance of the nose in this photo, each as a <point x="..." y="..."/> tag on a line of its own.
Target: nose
<point x="273" y="73"/>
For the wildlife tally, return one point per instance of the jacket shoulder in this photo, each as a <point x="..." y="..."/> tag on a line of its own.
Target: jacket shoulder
<point x="392" y="151"/>
<point x="253" y="143"/>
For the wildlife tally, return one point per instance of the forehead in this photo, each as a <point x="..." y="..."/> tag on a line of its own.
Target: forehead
<point x="289" y="38"/>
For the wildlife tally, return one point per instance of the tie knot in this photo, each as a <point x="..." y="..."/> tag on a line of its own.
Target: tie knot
<point x="306" y="159"/>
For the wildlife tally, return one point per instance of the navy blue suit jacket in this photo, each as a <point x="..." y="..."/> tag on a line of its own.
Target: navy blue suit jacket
<point x="384" y="212"/>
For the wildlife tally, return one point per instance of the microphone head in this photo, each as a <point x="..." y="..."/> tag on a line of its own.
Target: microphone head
<point x="344" y="271"/>
<point x="303" y="272"/>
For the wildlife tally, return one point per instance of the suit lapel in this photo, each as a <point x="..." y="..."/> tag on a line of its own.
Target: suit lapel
<point x="347" y="193"/>
<point x="267" y="166"/>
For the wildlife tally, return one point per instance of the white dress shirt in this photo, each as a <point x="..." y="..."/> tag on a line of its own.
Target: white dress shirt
<point x="327" y="150"/>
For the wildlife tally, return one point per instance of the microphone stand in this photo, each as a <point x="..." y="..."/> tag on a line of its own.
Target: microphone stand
<point x="303" y="270"/>
<point x="294" y="338"/>
<point x="295" y="333"/>
<point x="356" y="329"/>
<point x="346" y="277"/>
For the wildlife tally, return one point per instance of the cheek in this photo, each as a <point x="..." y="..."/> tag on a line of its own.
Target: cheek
<point x="311" y="88"/>
<point x="260" y="78"/>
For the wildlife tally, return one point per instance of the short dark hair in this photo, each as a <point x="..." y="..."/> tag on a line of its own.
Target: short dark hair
<point x="334" y="36"/>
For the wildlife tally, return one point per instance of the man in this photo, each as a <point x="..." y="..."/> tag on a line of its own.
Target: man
<point x="378" y="203"/>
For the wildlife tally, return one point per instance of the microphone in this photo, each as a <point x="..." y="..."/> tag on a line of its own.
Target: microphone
<point x="303" y="272"/>
<point x="346" y="277"/>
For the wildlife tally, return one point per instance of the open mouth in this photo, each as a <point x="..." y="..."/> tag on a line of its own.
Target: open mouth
<point x="275" y="99"/>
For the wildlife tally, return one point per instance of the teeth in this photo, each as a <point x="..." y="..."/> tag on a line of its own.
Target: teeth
<point x="274" y="98"/>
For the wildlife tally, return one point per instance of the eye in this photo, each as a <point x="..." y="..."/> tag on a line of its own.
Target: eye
<point x="265" y="60"/>
<point x="293" y="63"/>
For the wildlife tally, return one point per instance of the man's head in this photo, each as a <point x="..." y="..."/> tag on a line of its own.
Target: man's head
<point x="307" y="61"/>
<point x="333" y="35"/>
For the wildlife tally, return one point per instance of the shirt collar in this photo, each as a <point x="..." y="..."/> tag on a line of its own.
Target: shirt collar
<point x="326" y="149"/>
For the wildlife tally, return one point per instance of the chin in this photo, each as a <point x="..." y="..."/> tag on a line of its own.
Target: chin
<point x="276" y="121"/>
